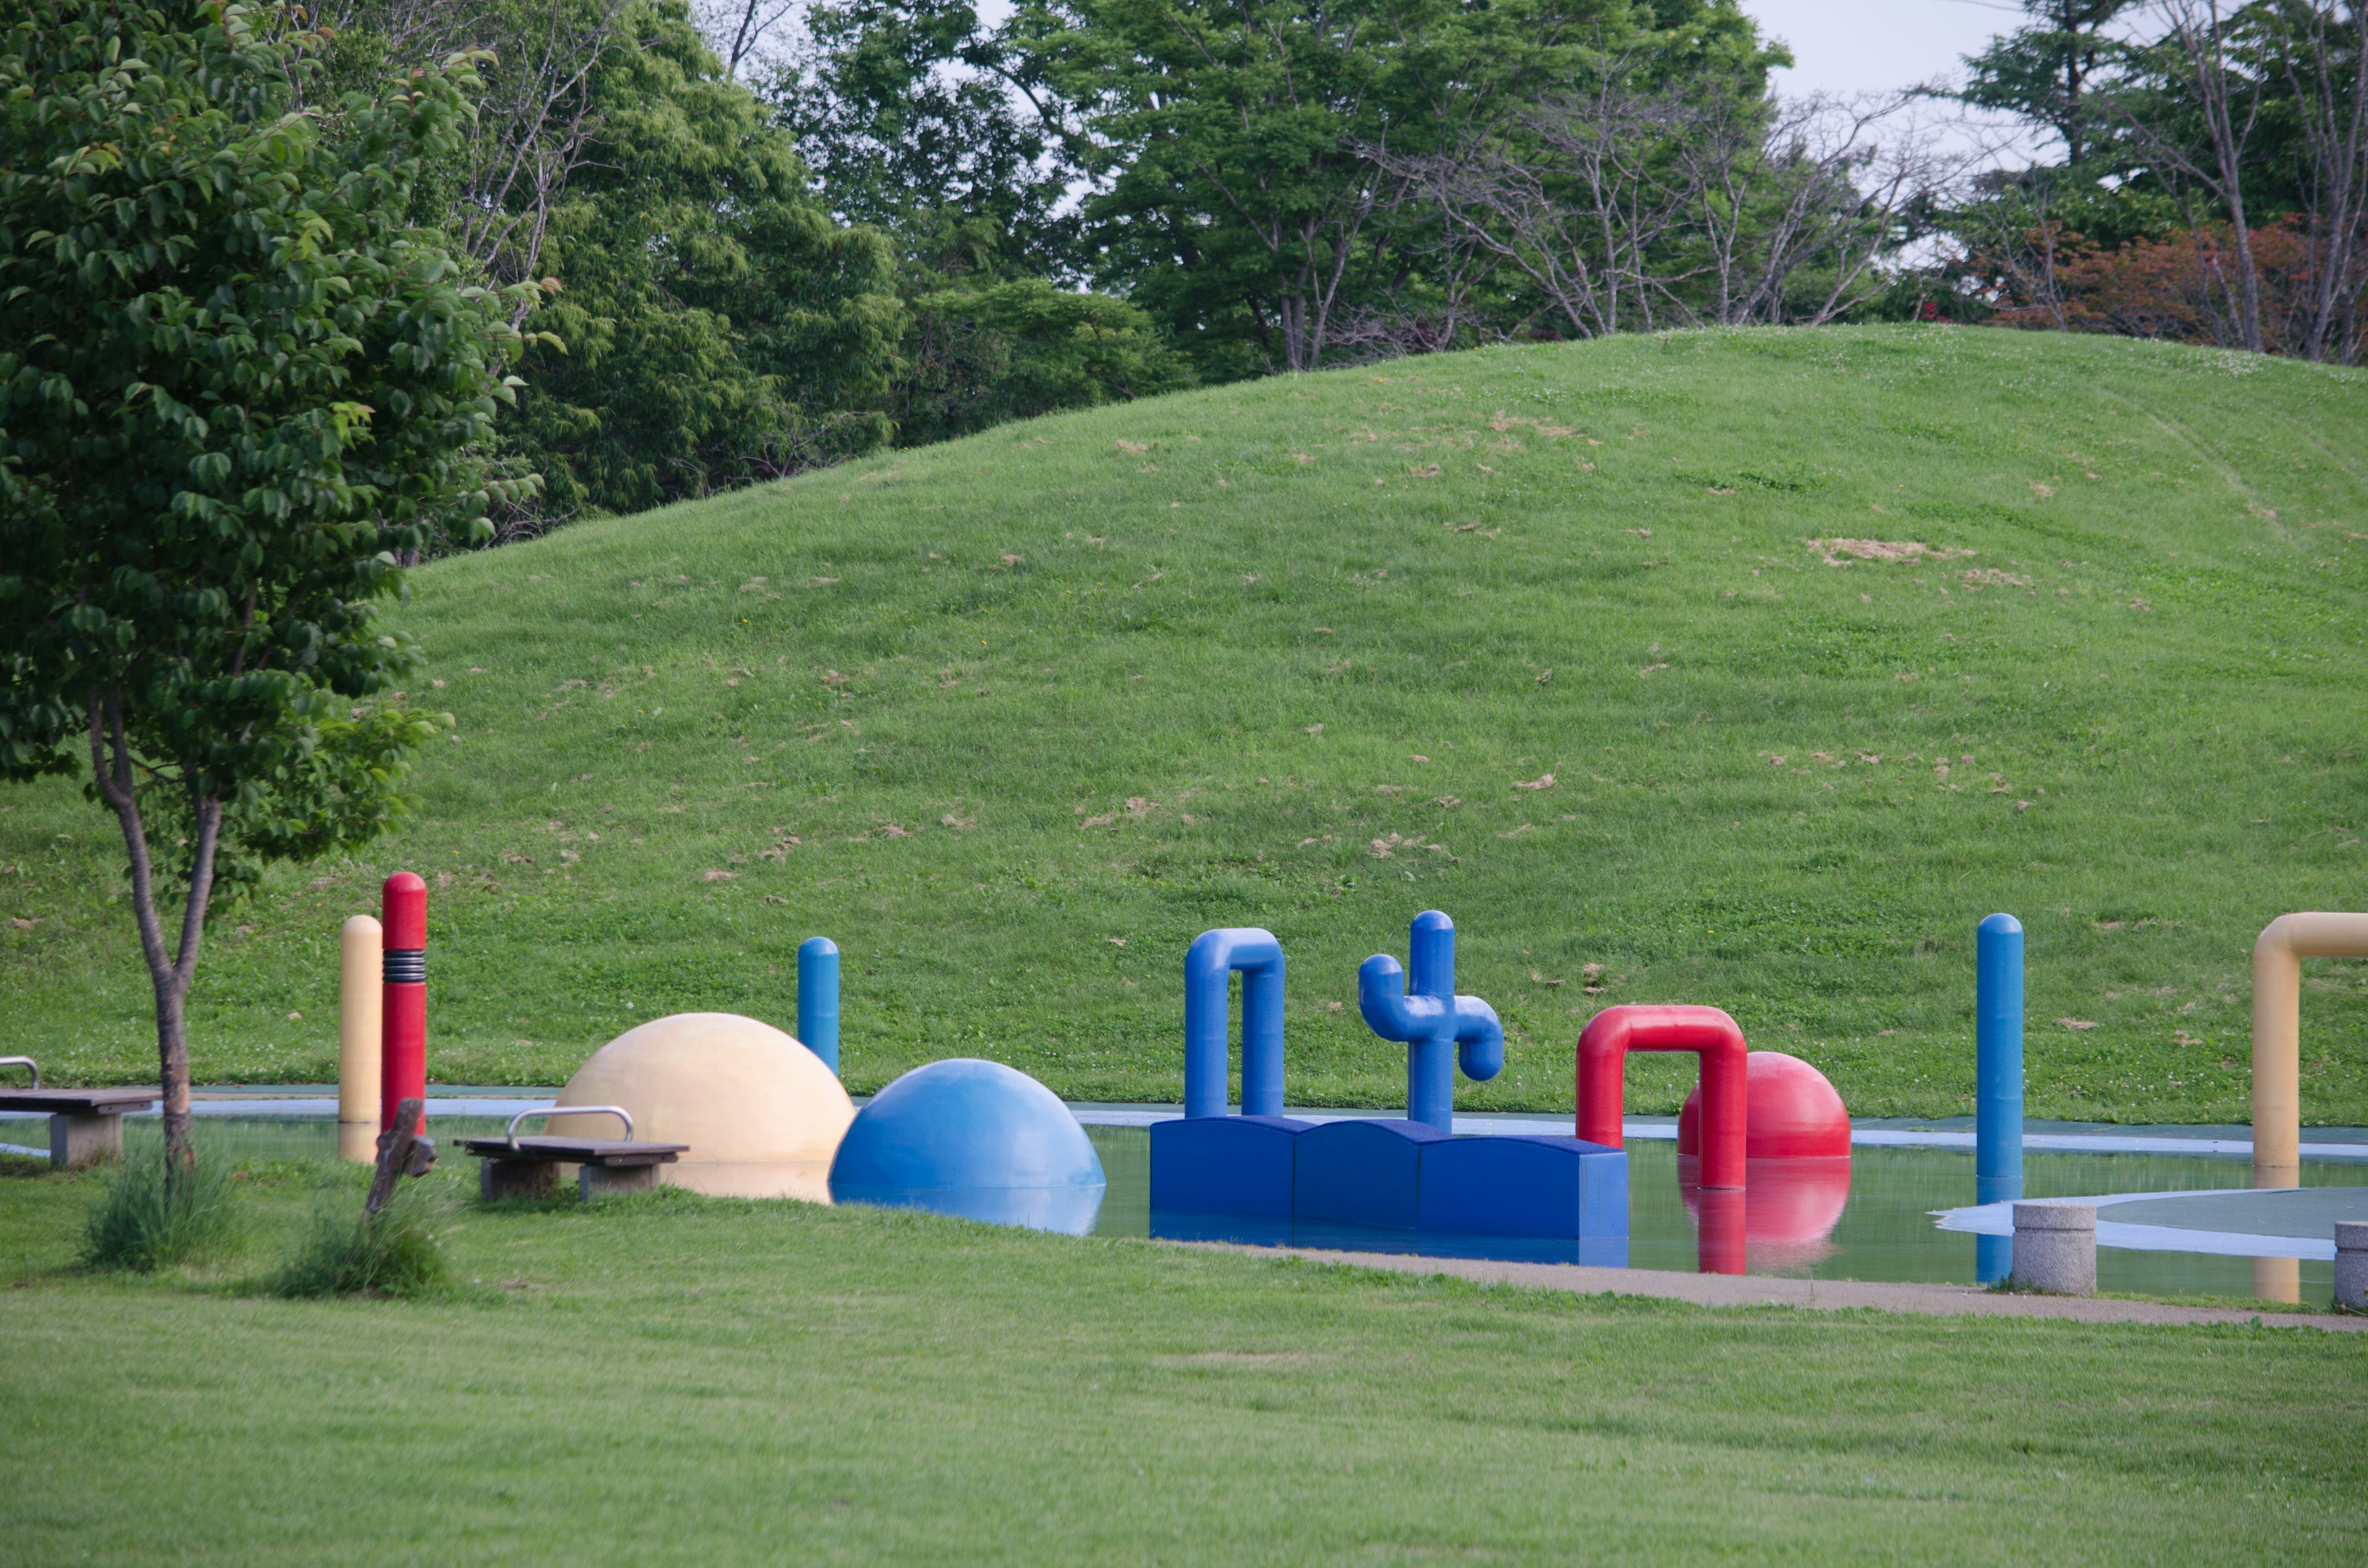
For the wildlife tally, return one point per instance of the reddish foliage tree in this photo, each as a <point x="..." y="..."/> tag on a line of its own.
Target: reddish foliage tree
<point x="2183" y="286"/>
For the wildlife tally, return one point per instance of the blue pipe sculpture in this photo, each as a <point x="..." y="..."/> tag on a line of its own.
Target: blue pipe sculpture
<point x="1423" y="1010"/>
<point x="1209" y="1163"/>
<point x="1214" y="956"/>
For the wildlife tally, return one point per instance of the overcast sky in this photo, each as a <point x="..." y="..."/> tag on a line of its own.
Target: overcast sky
<point x="1847" y="46"/>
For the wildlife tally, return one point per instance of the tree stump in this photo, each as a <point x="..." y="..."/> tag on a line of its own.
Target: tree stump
<point x="401" y="1153"/>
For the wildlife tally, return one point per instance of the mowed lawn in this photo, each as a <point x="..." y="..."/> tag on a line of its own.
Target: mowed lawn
<point x="1560" y="640"/>
<point x="680" y="1381"/>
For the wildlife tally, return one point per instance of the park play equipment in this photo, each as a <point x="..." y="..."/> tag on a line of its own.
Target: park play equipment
<point x="362" y="1010"/>
<point x="722" y="1103"/>
<point x="1411" y="1174"/>
<point x="1763" y="1141"/>
<point x="1997" y="1082"/>
<point x="974" y="1139"/>
<point x="2277" y="1076"/>
<point x="1415" y="1174"/>
<point x="2277" y="1058"/>
<point x="759" y="1113"/>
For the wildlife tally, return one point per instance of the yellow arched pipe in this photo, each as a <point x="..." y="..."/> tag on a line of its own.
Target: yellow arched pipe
<point x="2277" y="1032"/>
<point x="2277" y="1058"/>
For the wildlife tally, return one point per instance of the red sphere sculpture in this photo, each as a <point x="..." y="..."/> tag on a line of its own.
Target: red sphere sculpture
<point x="1791" y="1112"/>
<point x="1796" y="1143"/>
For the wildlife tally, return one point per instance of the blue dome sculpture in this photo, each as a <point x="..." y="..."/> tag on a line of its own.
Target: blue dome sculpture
<point x="973" y="1139"/>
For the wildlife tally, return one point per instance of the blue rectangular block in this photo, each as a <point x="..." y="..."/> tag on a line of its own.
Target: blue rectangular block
<point x="1524" y="1186"/>
<point x="1363" y="1173"/>
<point x="1224" y="1165"/>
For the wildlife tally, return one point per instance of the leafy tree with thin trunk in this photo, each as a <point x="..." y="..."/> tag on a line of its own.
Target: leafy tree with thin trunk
<point x="233" y="385"/>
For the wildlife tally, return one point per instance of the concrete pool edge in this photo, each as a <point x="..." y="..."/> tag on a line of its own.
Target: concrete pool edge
<point x="1820" y="1295"/>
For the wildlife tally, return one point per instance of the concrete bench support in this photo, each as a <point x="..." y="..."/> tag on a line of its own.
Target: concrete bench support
<point x="517" y="1178"/>
<point x="600" y="1181"/>
<point x="2055" y="1248"/>
<point x="2351" y="1264"/>
<point x="77" y="1142"/>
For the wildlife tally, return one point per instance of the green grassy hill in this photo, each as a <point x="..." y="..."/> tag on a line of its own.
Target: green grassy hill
<point x="1542" y="637"/>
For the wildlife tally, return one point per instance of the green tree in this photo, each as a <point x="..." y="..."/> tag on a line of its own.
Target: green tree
<point x="975" y="357"/>
<point x="233" y="384"/>
<point x="920" y="120"/>
<point x="2047" y="72"/>
<point x="718" y="325"/>
<point x="1241" y="142"/>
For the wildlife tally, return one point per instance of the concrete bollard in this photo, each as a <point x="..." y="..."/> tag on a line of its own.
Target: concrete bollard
<point x="2055" y="1248"/>
<point x="2351" y="1264"/>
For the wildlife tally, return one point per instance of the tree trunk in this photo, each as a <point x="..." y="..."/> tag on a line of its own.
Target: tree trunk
<point x="112" y="771"/>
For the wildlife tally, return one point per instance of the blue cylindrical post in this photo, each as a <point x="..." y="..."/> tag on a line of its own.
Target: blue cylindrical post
<point x="1997" y="1080"/>
<point x="818" y="998"/>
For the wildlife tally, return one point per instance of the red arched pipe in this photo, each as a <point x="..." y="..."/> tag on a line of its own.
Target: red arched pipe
<point x="1612" y="1034"/>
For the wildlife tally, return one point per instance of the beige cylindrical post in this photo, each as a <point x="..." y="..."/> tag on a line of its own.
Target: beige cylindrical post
<point x="361" y="990"/>
<point x="2277" y="1032"/>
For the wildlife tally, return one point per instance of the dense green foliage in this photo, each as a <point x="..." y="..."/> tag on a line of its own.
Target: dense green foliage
<point x="978" y="356"/>
<point x="233" y="382"/>
<point x="714" y="324"/>
<point x="691" y="1381"/>
<point x="1001" y="672"/>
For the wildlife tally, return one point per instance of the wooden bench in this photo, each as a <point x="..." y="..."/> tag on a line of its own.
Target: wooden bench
<point x="529" y="1168"/>
<point x="85" y="1125"/>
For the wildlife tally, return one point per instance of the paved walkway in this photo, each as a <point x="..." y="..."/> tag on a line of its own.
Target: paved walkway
<point x="1830" y="1295"/>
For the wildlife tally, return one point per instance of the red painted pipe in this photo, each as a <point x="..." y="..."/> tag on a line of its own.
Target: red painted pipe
<point x="403" y="1037"/>
<point x="1612" y="1034"/>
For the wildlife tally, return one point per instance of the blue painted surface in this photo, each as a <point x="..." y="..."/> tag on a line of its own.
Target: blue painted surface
<point x="1212" y="958"/>
<point x="818" y="998"/>
<point x="1421" y="1008"/>
<point x="943" y="1135"/>
<point x="1997" y="1080"/>
<point x="1362" y="1173"/>
<point x="1524" y="1186"/>
<point x="1224" y="1165"/>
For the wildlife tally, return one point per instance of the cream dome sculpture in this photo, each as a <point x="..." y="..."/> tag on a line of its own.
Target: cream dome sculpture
<point x="762" y="1115"/>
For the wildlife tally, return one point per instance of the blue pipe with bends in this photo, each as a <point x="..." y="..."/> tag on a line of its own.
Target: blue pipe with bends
<point x="1208" y="965"/>
<point x="1423" y="1010"/>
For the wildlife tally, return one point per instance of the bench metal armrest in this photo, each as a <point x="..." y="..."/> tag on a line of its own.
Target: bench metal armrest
<point x="620" y="1112"/>
<point x="24" y="1061"/>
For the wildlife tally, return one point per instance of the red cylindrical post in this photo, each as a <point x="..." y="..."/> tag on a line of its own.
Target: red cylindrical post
<point x="403" y="1039"/>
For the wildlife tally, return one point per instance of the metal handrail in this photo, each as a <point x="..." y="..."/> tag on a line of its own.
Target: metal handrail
<point x="24" y="1061"/>
<point x="620" y="1112"/>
